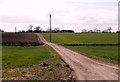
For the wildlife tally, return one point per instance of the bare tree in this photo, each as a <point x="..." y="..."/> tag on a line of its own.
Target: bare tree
<point x="56" y="29"/>
<point x="97" y="30"/>
<point x="84" y="30"/>
<point x="48" y="30"/>
<point x="109" y="29"/>
<point x="30" y="27"/>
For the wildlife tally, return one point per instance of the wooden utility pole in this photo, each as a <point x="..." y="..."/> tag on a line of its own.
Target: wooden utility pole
<point x="15" y="29"/>
<point x="50" y="27"/>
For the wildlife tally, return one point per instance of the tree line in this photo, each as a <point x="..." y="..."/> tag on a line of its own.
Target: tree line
<point x="38" y="29"/>
<point x="108" y="30"/>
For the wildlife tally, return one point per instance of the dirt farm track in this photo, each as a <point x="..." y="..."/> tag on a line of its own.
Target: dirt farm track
<point x="85" y="68"/>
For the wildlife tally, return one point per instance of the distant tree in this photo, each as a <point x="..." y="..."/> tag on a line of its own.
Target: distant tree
<point x="56" y="29"/>
<point x="48" y="30"/>
<point x="90" y="31"/>
<point x="97" y="30"/>
<point x="84" y="30"/>
<point x="23" y="31"/>
<point x="107" y="30"/>
<point x="19" y="31"/>
<point x="70" y="31"/>
<point x="118" y="31"/>
<point x="1" y="30"/>
<point x="43" y="31"/>
<point x="30" y="28"/>
<point x="38" y="29"/>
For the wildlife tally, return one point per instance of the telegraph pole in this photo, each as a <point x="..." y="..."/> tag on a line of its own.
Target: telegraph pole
<point x="50" y="27"/>
<point x="15" y="29"/>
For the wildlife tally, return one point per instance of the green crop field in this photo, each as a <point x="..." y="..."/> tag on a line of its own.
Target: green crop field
<point x="83" y="38"/>
<point x="32" y="63"/>
<point x="21" y="56"/>
<point x="104" y="53"/>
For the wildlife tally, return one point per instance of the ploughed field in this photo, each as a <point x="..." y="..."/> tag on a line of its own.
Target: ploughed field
<point x="105" y="48"/>
<point x="20" y="39"/>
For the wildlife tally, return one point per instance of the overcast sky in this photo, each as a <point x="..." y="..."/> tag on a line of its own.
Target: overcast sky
<point x="66" y="14"/>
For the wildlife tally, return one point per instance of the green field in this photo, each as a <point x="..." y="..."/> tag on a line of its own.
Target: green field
<point x="32" y="63"/>
<point x="104" y="53"/>
<point x="21" y="56"/>
<point x="83" y="38"/>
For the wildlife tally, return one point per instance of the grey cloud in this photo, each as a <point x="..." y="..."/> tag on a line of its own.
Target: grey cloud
<point x="29" y="20"/>
<point x="21" y="19"/>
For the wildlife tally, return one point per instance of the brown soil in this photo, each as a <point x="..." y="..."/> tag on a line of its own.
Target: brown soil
<point x="20" y="39"/>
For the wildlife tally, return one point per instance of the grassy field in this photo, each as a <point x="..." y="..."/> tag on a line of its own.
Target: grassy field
<point x="32" y="63"/>
<point x="104" y="53"/>
<point x="21" y="56"/>
<point x="83" y="38"/>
